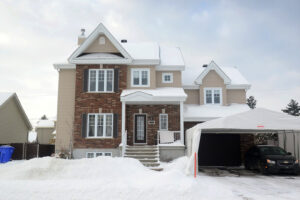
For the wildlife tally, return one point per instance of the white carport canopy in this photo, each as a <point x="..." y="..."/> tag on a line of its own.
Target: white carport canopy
<point x="258" y="120"/>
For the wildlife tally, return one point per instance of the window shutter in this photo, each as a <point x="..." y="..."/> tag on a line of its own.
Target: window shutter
<point x="115" y="125"/>
<point x="85" y="80"/>
<point x="116" y="80"/>
<point x="83" y="125"/>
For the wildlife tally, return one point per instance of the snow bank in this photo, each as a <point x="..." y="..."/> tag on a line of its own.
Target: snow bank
<point x="102" y="178"/>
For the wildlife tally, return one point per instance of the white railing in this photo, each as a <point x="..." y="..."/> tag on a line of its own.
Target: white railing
<point x="176" y="136"/>
<point x="124" y="142"/>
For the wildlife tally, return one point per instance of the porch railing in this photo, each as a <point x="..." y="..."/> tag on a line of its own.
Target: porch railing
<point x="176" y="137"/>
<point x="124" y="142"/>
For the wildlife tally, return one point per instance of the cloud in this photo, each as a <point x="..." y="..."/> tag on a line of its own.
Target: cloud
<point x="260" y="38"/>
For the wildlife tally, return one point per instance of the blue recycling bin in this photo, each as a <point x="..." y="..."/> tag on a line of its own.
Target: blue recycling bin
<point x="6" y="152"/>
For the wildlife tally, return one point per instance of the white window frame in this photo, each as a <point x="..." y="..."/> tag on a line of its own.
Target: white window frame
<point x="105" y="80"/>
<point x="160" y="115"/>
<point x="212" y="93"/>
<point x="140" y="77"/>
<point x="167" y="74"/>
<point x="98" y="152"/>
<point x="96" y="125"/>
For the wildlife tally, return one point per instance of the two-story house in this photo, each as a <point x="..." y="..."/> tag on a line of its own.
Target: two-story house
<point x="115" y="92"/>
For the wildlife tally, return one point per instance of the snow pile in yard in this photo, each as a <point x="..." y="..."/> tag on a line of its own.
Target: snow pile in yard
<point x="100" y="178"/>
<point x="125" y="178"/>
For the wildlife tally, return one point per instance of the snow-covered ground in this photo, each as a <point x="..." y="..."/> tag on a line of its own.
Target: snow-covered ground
<point x="125" y="178"/>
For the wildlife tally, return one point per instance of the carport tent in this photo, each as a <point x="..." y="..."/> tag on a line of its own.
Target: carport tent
<point x="258" y="120"/>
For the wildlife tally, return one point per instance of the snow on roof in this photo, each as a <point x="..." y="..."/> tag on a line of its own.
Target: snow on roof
<point x="170" y="56"/>
<point x="45" y="124"/>
<point x="207" y="112"/>
<point x="235" y="75"/>
<point x="191" y="73"/>
<point x="4" y="96"/>
<point x="143" y="50"/>
<point x="158" y="92"/>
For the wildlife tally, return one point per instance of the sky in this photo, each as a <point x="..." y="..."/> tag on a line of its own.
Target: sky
<point x="260" y="38"/>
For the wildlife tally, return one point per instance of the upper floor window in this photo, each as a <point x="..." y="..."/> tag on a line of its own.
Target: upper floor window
<point x="167" y="77"/>
<point x="101" y="80"/>
<point x="140" y="77"/>
<point x="100" y="126"/>
<point x="212" y="95"/>
<point x="163" y="122"/>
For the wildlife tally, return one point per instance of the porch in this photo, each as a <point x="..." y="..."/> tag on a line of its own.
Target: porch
<point x="150" y="117"/>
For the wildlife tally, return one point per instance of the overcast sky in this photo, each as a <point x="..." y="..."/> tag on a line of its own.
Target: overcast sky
<point x="260" y="38"/>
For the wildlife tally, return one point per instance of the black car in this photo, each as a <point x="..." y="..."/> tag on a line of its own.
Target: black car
<point x="270" y="159"/>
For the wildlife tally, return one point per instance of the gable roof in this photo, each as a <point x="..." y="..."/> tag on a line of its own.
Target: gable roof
<point x="213" y="66"/>
<point x="75" y="57"/>
<point x="233" y="79"/>
<point x="6" y="96"/>
<point x="143" y="53"/>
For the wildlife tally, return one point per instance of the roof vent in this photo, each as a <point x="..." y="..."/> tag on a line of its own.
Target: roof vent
<point x="205" y="65"/>
<point x="123" y="41"/>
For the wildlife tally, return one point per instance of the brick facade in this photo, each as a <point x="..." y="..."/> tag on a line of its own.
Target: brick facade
<point x="152" y="113"/>
<point x="91" y="102"/>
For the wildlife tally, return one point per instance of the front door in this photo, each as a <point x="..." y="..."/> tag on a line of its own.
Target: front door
<point x="140" y="129"/>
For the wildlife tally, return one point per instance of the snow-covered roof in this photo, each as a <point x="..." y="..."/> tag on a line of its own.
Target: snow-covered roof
<point x="45" y="124"/>
<point x="207" y="112"/>
<point x="235" y="76"/>
<point x="192" y="76"/>
<point x="170" y="56"/>
<point x="4" y="96"/>
<point x="143" y="50"/>
<point x="158" y="94"/>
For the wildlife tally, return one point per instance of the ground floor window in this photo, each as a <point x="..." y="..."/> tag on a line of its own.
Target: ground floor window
<point x="163" y="122"/>
<point x="97" y="154"/>
<point x="100" y="125"/>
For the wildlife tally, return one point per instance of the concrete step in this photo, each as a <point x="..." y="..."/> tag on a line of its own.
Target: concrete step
<point x="151" y="164"/>
<point x="140" y="153"/>
<point x="140" y="149"/>
<point x="141" y="156"/>
<point x="159" y="169"/>
<point x="148" y="160"/>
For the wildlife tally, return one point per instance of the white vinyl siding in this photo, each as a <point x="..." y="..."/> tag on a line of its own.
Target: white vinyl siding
<point x="100" y="125"/>
<point x="97" y="154"/>
<point x="163" y="122"/>
<point x="101" y="80"/>
<point x="140" y="77"/>
<point x="212" y="95"/>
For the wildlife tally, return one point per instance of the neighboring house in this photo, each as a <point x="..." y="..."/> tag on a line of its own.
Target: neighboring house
<point x="109" y="88"/>
<point x="14" y="124"/>
<point x="44" y="130"/>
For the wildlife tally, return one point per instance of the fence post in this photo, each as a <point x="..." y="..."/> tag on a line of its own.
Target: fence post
<point x="38" y="150"/>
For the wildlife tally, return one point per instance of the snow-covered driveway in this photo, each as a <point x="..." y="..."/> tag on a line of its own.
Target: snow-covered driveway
<point x="121" y="178"/>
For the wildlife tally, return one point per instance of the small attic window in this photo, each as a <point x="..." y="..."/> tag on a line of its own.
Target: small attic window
<point x="102" y="40"/>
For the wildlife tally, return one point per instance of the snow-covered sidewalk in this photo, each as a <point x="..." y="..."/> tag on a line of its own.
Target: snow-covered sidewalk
<point x="125" y="178"/>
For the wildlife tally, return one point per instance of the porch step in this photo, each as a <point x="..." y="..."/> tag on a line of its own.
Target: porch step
<point x="148" y="155"/>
